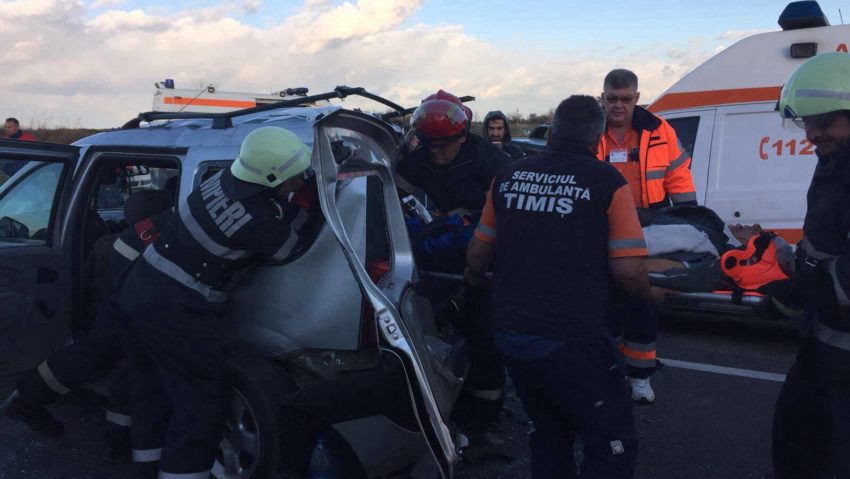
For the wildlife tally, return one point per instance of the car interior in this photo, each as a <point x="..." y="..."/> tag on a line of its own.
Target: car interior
<point x="115" y="179"/>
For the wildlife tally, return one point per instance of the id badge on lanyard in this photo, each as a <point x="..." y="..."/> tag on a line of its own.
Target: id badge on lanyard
<point x="620" y="155"/>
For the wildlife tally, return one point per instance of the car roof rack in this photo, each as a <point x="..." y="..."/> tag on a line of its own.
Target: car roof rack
<point x="225" y="120"/>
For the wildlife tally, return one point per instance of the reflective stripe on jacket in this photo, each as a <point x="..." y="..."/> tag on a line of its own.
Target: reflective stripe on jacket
<point x="215" y="235"/>
<point x="665" y="173"/>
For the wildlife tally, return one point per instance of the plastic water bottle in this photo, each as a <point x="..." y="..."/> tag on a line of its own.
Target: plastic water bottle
<point x="321" y="465"/>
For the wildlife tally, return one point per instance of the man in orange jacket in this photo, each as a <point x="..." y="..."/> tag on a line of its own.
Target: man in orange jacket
<point x="645" y="150"/>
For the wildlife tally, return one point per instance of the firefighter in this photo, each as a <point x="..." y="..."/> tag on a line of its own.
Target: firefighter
<point x="645" y="150"/>
<point x="554" y="227"/>
<point x="176" y="292"/>
<point x="454" y="168"/>
<point x="811" y="426"/>
<point x="94" y="355"/>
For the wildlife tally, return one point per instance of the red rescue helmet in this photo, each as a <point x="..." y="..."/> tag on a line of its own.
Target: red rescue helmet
<point x="439" y="121"/>
<point x="468" y="112"/>
<point x="444" y="95"/>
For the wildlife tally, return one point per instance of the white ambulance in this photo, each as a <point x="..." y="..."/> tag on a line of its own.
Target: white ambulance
<point x="747" y="167"/>
<point x="211" y="100"/>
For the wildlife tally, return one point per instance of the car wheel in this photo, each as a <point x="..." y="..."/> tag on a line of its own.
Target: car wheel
<point x="264" y="439"/>
<point x="253" y="421"/>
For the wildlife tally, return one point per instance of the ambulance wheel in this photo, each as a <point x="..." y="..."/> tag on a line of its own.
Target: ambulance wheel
<point x="254" y="422"/>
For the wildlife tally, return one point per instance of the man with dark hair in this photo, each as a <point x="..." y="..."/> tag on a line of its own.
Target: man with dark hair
<point x="497" y="129"/>
<point x="555" y="226"/>
<point x="645" y="150"/>
<point x="14" y="132"/>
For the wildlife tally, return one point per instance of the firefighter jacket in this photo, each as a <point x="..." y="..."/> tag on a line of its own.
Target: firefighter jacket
<point x="214" y="235"/>
<point x="130" y="244"/>
<point x="665" y="173"/>
<point x="826" y="238"/>
<point x="556" y="218"/>
<point x="461" y="184"/>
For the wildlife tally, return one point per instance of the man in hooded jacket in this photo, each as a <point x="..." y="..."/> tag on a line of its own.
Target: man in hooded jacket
<point x="497" y="129"/>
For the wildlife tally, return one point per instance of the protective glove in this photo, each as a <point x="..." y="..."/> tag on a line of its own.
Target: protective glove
<point x="809" y="289"/>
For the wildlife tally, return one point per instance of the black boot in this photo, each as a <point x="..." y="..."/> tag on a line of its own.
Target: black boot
<point x="36" y="417"/>
<point x="117" y="444"/>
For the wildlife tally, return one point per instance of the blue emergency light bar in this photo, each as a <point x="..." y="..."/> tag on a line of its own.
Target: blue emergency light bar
<point x="805" y="14"/>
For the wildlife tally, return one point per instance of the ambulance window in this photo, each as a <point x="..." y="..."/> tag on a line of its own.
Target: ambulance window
<point x="686" y="130"/>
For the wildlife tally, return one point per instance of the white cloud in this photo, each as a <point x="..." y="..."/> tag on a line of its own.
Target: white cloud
<point x="118" y="21"/>
<point x="100" y="68"/>
<point x="321" y="23"/>
<point x="44" y="8"/>
<point x="106" y="3"/>
<point x="252" y="6"/>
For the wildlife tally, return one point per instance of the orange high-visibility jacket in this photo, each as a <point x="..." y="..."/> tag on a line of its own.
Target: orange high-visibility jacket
<point x="665" y="166"/>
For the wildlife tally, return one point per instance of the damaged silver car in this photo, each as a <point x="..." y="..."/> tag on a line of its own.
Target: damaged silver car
<point x="336" y="343"/>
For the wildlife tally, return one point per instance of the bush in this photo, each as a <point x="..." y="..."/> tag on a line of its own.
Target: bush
<point x="63" y="135"/>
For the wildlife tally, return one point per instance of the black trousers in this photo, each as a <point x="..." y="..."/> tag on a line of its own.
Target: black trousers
<point x="811" y="422"/>
<point x="88" y="359"/>
<point x="484" y="390"/>
<point x="178" y="371"/>
<point x="635" y="322"/>
<point x="578" y="390"/>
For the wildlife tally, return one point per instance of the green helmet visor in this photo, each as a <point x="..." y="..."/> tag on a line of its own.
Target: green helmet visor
<point x="820" y="85"/>
<point x="269" y="156"/>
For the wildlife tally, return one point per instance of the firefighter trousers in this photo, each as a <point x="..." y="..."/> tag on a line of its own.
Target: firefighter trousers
<point x="484" y="390"/>
<point x="811" y="422"/>
<point x="88" y="359"/>
<point x="178" y="374"/>
<point x="578" y="390"/>
<point x="635" y="322"/>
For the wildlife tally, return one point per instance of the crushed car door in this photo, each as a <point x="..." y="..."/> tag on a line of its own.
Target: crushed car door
<point x="349" y="144"/>
<point x="34" y="268"/>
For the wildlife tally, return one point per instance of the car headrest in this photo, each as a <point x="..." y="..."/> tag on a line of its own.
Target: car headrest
<point x="146" y="203"/>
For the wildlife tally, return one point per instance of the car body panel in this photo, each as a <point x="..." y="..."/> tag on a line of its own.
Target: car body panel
<point x="393" y="327"/>
<point x="535" y="142"/>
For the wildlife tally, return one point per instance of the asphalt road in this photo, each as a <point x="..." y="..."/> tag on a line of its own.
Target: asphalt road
<point x="704" y="424"/>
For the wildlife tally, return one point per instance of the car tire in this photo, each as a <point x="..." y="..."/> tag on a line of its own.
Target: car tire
<point x="263" y="438"/>
<point x="254" y="423"/>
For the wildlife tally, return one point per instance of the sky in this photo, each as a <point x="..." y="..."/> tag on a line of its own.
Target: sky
<point x="93" y="63"/>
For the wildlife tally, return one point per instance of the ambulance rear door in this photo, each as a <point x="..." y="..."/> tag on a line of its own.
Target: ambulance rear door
<point x="760" y="171"/>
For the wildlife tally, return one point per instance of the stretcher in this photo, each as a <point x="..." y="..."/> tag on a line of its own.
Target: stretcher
<point x="730" y="282"/>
